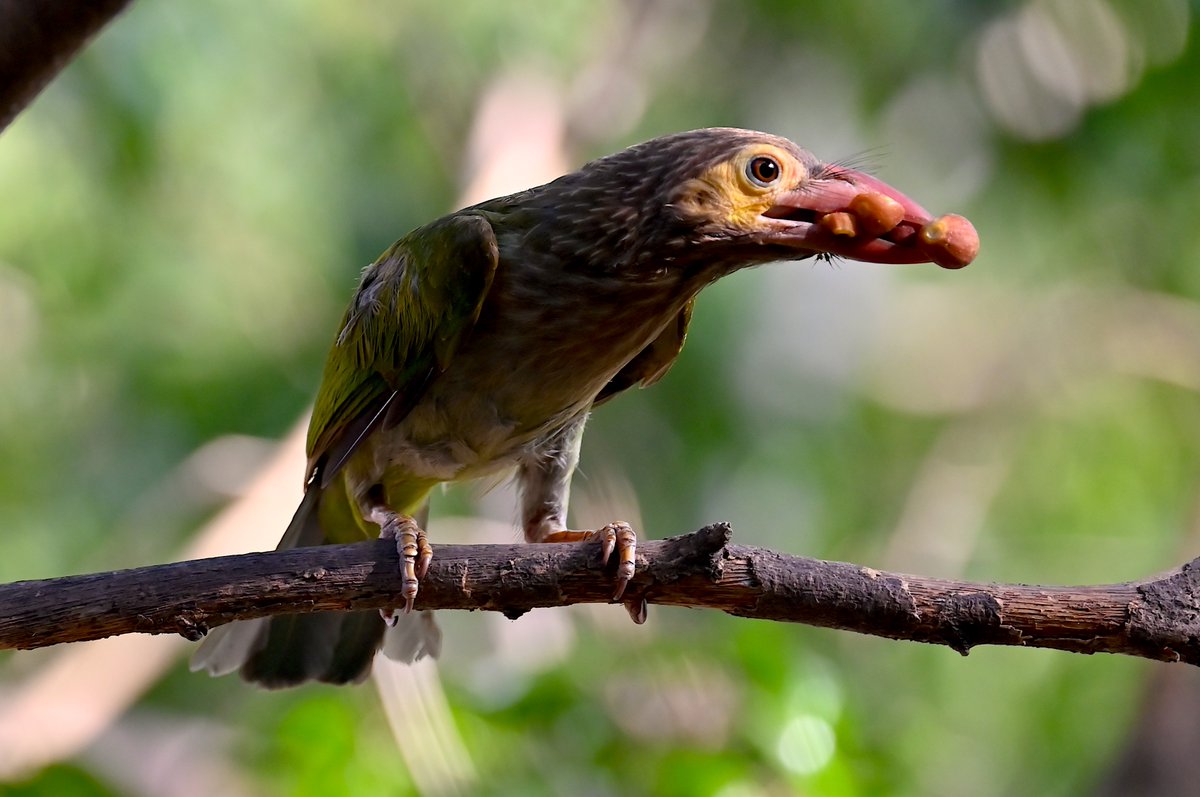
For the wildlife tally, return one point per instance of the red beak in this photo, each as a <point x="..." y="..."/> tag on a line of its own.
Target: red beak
<point x="854" y="215"/>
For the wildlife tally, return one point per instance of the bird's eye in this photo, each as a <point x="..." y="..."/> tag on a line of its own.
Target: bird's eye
<point x="763" y="170"/>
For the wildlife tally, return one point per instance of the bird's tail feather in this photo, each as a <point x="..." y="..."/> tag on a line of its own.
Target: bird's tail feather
<point x="287" y="650"/>
<point x="335" y="647"/>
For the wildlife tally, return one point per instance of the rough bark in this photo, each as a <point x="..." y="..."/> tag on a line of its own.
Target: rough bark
<point x="1155" y="619"/>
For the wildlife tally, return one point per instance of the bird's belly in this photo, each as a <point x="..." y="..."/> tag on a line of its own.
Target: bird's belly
<point x="523" y="374"/>
<point x="454" y="434"/>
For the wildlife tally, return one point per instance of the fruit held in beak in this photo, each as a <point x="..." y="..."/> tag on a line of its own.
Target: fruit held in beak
<point x="854" y="215"/>
<point x="950" y="241"/>
<point x="839" y="223"/>
<point x="877" y="213"/>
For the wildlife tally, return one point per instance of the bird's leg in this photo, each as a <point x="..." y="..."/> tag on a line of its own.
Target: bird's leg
<point x="545" y="480"/>
<point x="413" y="547"/>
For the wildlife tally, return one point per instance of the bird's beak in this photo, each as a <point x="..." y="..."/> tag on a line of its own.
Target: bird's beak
<point x="854" y="215"/>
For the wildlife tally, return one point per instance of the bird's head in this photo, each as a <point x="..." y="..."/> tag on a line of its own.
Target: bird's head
<point x="721" y="199"/>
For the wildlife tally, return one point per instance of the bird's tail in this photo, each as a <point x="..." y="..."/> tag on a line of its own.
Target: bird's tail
<point x="334" y="647"/>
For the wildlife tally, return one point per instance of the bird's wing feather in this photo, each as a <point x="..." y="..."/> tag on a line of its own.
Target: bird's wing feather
<point x="652" y="362"/>
<point x="412" y="308"/>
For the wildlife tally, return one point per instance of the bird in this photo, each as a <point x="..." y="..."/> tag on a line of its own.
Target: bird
<point x="479" y="344"/>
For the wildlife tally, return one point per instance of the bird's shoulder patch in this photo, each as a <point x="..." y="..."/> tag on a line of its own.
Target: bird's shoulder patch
<point x="411" y="309"/>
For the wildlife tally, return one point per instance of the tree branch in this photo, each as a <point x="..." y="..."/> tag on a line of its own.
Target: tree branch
<point x="38" y="38"/>
<point x="1155" y="619"/>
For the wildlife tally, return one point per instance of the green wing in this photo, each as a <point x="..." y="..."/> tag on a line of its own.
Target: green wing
<point x="412" y="307"/>
<point x="652" y="362"/>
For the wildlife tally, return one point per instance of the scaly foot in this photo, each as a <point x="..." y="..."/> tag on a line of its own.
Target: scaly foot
<point x="415" y="554"/>
<point x="620" y="537"/>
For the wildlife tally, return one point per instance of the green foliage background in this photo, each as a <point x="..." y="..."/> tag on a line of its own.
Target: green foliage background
<point x="185" y="212"/>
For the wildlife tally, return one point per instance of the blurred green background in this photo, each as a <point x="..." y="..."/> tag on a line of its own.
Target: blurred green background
<point x="185" y="212"/>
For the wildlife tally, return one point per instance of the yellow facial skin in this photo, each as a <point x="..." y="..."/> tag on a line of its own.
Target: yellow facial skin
<point x="730" y="192"/>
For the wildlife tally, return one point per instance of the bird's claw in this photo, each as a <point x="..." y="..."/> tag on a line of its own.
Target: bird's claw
<point x="415" y="552"/>
<point x="619" y="537"/>
<point x="637" y="609"/>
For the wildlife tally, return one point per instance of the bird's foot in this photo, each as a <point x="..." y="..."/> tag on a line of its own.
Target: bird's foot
<point x="620" y="537"/>
<point x="415" y="553"/>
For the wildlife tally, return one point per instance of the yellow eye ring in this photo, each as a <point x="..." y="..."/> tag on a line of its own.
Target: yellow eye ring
<point x="763" y="170"/>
